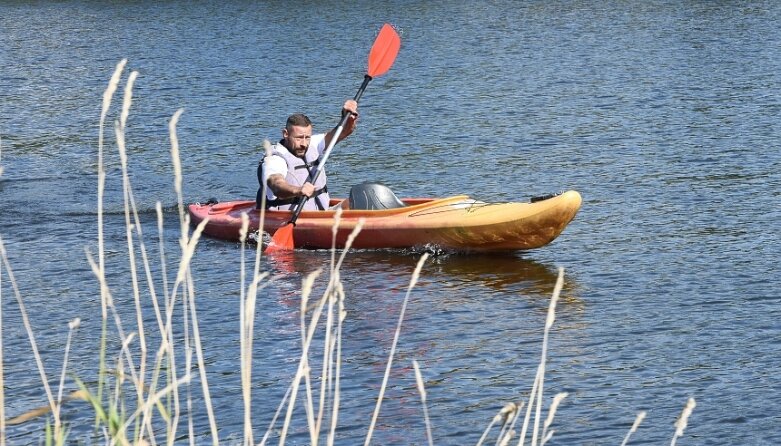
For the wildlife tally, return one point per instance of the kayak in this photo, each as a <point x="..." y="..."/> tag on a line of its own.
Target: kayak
<point x="456" y="223"/>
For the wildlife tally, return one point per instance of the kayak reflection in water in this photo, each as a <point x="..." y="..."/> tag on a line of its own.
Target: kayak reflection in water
<point x="284" y="174"/>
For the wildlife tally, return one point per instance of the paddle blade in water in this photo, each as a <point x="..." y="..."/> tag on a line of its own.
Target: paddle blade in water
<point x="384" y="51"/>
<point x="282" y="239"/>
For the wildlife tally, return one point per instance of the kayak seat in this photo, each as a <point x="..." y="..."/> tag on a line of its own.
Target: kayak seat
<point x="373" y="196"/>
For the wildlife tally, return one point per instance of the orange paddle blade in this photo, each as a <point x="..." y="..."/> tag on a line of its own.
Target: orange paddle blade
<point x="383" y="53"/>
<point x="282" y="239"/>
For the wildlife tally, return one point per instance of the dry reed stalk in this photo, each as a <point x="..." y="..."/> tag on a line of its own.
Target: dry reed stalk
<point x="196" y="332"/>
<point x="158" y="366"/>
<point x="683" y="420"/>
<point x="515" y="416"/>
<point x="120" y="133"/>
<point x="244" y="339"/>
<point x="508" y="416"/>
<point x="119" y="130"/>
<point x="337" y="291"/>
<point x="118" y="395"/>
<point x="172" y="358"/>
<point x="334" y="232"/>
<point x="303" y="364"/>
<point x="331" y="379"/>
<point x="2" y="364"/>
<point x="151" y="401"/>
<point x="639" y="419"/>
<point x="412" y="283"/>
<point x="43" y="410"/>
<point x="126" y="340"/>
<point x="187" y="245"/>
<point x="529" y="407"/>
<point x="546" y="435"/>
<point x="307" y="336"/>
<point x="349" y="243"/>
<point x="327" y="369"/>
<point x="247" y="321"/>
<point x="261" y="218"/>
<point x="303" y="368"/>
<point x="167" y="331"/>
<point x="422" y="391"/>
<point x="108" y="94"/>
<point x="145" y="262"/>
<point x="189" y="361"/>
<point x="306" y="288"/>
<point x="509" y="410"/>
<point x="251" y="299"/>
<point x="310" y="405"/>
<point x="276" y="415"/>
<point x="188" y="249"/>
<point x="188" y="365"/>
<point x="537" y="387"/>
<point x="30" y="334"/>
<point x="161" y="248"/>
<point x="115" y="405"/>
<point x="544" y="357"/>
<point x="72" y="326"/>
<point x="337" y="385"/>
<point x="117" y="320"/>
<point x="505" y="440"/>
<point x="329" y="343"/>
<point x="130" y="206"/>
<point x="181" y="276"/>
<point x="184" y="219"/>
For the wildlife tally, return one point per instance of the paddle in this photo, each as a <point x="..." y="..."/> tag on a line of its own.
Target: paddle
<point x="381" y="57"/>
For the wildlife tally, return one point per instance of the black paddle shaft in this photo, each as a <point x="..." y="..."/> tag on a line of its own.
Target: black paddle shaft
<point x="316" y="173"/>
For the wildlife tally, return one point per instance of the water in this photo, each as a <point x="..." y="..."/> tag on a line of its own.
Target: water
<point x="664" y="115"/>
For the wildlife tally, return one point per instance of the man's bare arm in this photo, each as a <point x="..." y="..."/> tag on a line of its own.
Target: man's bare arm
<point x="284" y="190"/>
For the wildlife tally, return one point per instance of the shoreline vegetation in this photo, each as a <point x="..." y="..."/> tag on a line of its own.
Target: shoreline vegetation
<point x="143" y="392"/>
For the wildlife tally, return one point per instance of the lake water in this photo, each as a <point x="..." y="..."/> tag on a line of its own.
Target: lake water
<point x="665" y="115"/>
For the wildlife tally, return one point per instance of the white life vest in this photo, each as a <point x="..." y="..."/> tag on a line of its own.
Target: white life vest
<point x="298" y="172"/>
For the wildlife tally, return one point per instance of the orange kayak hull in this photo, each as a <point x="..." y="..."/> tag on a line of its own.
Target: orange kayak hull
<point x="453" y="223"/>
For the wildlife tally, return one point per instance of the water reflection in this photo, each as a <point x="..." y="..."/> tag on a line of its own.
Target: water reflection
<point x="502" y="273"/>
<point x="498" y="272"/>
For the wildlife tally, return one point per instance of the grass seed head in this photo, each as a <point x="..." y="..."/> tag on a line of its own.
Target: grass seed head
<point x="74" y="324"/>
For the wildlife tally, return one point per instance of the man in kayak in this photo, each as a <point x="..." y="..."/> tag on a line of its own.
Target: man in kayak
<point x="283" y="174"/>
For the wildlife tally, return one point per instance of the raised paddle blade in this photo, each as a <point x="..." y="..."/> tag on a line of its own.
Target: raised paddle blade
<point x="282" y="239"/>
<point x="383" y="53"/>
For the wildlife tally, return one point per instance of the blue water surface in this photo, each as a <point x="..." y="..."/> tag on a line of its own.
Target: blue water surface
<point x="664" y="115"/>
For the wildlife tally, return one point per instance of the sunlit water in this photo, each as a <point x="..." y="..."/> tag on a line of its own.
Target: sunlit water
<point x="664" y="115"/>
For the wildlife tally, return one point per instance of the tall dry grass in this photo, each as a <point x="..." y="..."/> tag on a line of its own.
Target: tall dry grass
<point x="151" y="381"/>
<point x="2" y="377"/>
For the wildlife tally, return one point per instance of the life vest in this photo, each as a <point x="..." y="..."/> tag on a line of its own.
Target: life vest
<point x="298" y="172"/>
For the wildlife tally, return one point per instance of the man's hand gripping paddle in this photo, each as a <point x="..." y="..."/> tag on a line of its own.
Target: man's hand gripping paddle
<point x="381" y="57"/>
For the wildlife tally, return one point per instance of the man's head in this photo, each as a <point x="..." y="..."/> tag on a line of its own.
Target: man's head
<point x="297" y="134"/>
